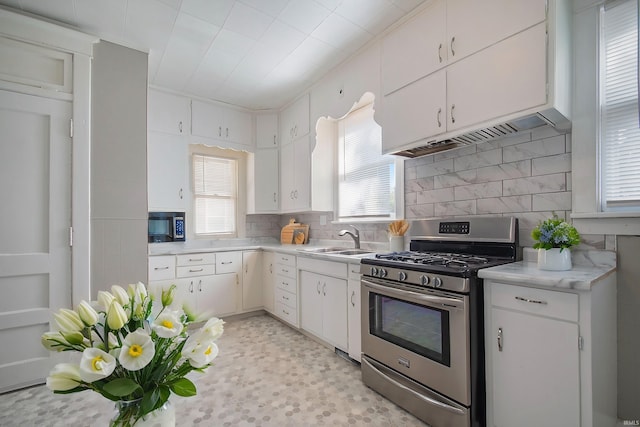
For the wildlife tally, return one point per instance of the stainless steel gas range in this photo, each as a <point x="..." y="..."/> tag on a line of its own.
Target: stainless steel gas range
<point x="422" y="317"/>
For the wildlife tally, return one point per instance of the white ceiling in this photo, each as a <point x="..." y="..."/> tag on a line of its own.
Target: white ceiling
<point x="252" y="53"/>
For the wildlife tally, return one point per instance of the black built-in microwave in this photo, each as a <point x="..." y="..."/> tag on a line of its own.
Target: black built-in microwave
<point x="166" y="227"/>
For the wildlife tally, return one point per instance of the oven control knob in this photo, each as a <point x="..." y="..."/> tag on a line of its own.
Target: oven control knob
<point x="374" y="271"/>
<point x="402" y="276"/>
<point x="383" y="272"/>
<point x="437" y="282"/>
<point x="424" y="280"/>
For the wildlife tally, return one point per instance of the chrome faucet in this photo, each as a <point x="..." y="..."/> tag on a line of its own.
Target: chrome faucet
<point x="355" y="236"/>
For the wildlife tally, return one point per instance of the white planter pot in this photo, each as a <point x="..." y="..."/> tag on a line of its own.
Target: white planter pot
<point x="554" y="259"/>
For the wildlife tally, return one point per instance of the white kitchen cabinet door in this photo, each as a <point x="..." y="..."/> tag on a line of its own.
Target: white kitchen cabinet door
<point x="267" y="182"/>
<point x="302" y="174"/>
<point x="467" y="34"/>
<point x="223" y="124"/>
<point x="168" y="113"/>
<point x="168" y="165"/>
<point x="311" y="311"/>
<point x="267" y="131"/>
<point x="294" y="120"/>
<point x="415" y="112"/>
<point x="216" y="294"/>
<point x="268" y="281"/>
<point x="536" y="370"/>
<point x="334" y="312"/>
<point x="505" y="78"/>
<point x="287" y="178"/>
<point x="353" y="318"/>
<point x="415" y="49"/>
<point x="252" y="280"/>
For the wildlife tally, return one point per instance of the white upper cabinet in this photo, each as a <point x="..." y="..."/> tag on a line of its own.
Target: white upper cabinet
<point x="267" y="131"/>
<point x="167" y="172"/>
<point x="224" y="124"/>
<point x="474" y="25"/>
<point x="266" y="180"/>
<point x="294" y="120"/>
<point x="168" y="113"/>
<point x="295" y="176"/>
<point x="415" y="49"/>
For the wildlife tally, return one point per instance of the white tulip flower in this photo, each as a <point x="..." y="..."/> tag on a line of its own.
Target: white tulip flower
<point x="137" y="351"/>
<point x="63" y="377"/>
<point x="53" y="340"/>
<point x="121" y="295"/>
<point x="96" y="364"/>
<point x="87" y="313"/>
<point x="68" y="320"/>
<point x="116" y="316"/>
<point x="213" y="328"/>
<point x="200" y="350"/>
<point x="167" y="325"/>
<point x="105" y="299"/>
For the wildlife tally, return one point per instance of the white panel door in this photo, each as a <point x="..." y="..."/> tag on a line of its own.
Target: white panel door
<point x="267" y="183"/>
<point x="35" y="257"/>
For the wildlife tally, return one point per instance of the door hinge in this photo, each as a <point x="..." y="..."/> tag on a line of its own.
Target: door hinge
<point x="580" y="343"/>
<point x="70" y="236"/>
<point x="70" y="128"/>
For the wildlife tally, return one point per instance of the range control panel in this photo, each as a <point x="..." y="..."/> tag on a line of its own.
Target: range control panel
<point x="454" y="227"/>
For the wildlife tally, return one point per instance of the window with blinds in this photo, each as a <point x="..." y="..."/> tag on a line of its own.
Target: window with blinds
<point x="620" y="134"/>
<point x="366" y="181"/>
<point x="215" y="190"/>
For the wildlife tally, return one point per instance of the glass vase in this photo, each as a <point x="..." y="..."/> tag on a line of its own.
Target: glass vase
<point x="127" y="415"/>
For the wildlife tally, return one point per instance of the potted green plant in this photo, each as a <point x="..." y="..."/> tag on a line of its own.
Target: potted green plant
<point x="554" y="238"/>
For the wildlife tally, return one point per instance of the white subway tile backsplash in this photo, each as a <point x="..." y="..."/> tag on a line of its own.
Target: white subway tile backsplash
<point x="437" y="168"/>
<point x="474" y="161"/>
<point x="535" y="184"/>
<point x="504" y="171"/>
<point x="435" y="196"/>
<point x="478" y="191"/>
<point x="455" y="153"/>
<point x="420" y="184"/>
<point x="551" y="164"/>
<point x="533" y="149"/>
<point x="505" y="142"/>
<point x="455" y="179"/>
<point x="420" y="211"/>
<point x="510" y="204"/>
<point x="552" y="201"/>
<point x="466" y="207"/>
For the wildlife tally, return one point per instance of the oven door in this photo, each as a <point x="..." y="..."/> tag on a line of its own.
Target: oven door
<point x="423" y="335"/>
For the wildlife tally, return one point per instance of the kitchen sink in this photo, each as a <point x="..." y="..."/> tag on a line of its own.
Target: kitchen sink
<point x="353" y="252"/>
<point x="337" y="251"/>
<point x="322" y="250"/>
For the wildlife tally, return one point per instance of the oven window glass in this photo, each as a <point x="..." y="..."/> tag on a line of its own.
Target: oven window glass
<point x="420" y="329"/>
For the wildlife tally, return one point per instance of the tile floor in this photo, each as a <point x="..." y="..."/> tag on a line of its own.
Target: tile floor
<point x="267" y="374"/>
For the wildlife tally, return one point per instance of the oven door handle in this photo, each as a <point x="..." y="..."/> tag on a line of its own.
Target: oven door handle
<point x="424" y="398"/>
<point x="448" y="302"/>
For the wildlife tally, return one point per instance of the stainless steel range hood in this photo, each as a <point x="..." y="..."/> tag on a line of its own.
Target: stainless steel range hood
<point x="449" y="142"/>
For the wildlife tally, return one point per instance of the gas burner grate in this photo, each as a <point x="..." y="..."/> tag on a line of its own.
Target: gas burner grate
<point x="454" y="260"/>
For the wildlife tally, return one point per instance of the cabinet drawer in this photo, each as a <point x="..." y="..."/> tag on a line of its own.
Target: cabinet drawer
<point x="286" y="270"/>
<point x="162" y="267"/>
<point x="228" y="262"/>
<point x="559" y="305"/>
<point x="196" y="259"/>
<point x="354" y="271"/>
<point x="285" y="259"/>
<point x="196" y="270"/>
<point x="286" y="313"/>
<point x="287" y="298"/>
<point x="286" y="283"/>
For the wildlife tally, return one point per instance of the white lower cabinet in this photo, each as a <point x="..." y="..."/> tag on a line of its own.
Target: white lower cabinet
<point x="541" y="348"/>
<point x="286" y="288"/>
<point x="251" y="280"/>
<point x="268" y="281"/>
<point x="354" y="320"/>
<point x="323" y="301"/>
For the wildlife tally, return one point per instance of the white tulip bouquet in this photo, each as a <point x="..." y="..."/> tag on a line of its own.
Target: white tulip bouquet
<point x="127" y="353"/>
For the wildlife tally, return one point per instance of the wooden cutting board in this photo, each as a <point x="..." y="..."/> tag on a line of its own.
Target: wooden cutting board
<point x="294" y="233"/>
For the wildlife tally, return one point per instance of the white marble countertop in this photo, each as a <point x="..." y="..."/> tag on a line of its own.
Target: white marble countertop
<point x="589" y="267"/>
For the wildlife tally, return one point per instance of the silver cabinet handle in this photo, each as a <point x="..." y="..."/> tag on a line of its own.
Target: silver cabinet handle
<point x="274" y="140"/>
<point x="195" y="259"/>
<point x="274" y="197"/>
<point x="453" y="119"/>
<point x="191" y="287"/>
<point x="285" y="312"/>
<point x="440" y="52"/>
<point x="453" y="52"/>
<point x="180" y="194"/>
<point x="180" y="126"/>
<point x="533" y="301"/>
<point x="499" y="339"/>
<point x="226" y="262"/>
<point x="353" y="294"/>
<point x="295" y="194"/>
<point x="220" y="131"/>
<point x="284" y="270"/>
<point x="160" y="268"/>
<point x="318" y="287"/>
<point x="200" y="286"/>
<point x="271" y="268"/>
<point x="324" y="290"/>
<point x="197" y="270"/>
<point x="227" y="136"/>
<point x="438" y="117"/>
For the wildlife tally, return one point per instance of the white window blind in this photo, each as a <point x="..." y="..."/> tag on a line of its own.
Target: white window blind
<point x="620" y="134"/>
<point x="366" y="182"/>
<point x="215" y="192"/>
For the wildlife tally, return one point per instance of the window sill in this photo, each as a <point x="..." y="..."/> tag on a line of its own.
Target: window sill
<point x="616" y="223"/>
